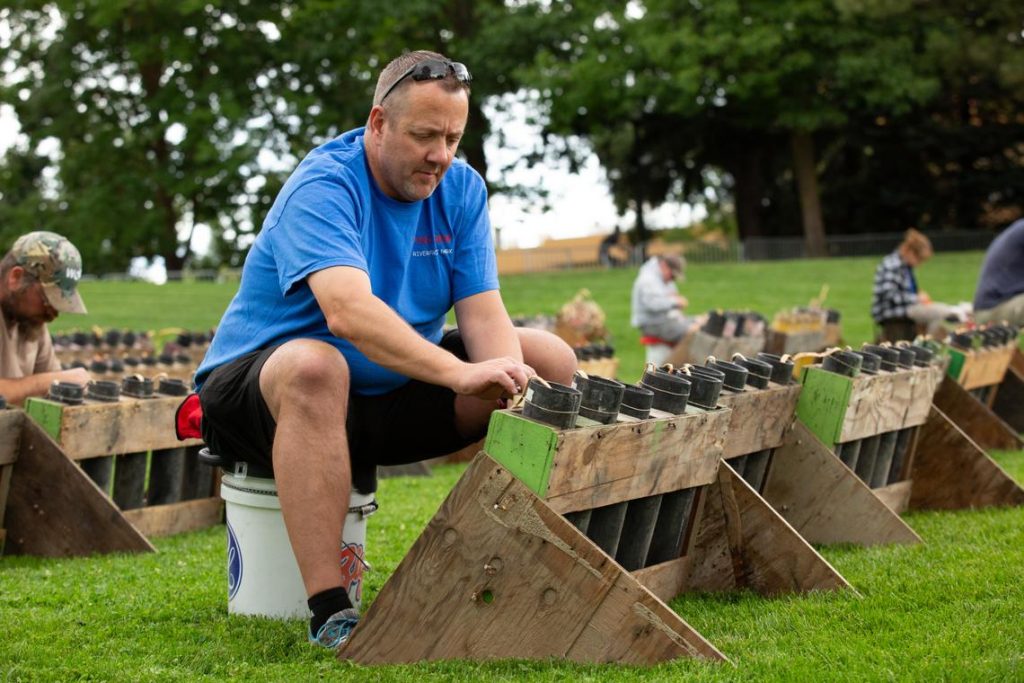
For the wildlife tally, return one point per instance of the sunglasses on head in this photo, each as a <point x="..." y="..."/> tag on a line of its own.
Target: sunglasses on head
<point x="432" y="70"/>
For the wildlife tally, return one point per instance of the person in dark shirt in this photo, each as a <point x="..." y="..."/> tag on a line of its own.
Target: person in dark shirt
<point x="1000" y="292"/>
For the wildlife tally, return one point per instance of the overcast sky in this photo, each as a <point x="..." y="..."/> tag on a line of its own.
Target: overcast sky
<point x="580" y="204"/>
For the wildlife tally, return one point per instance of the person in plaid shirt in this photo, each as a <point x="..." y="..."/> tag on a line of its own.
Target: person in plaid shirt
<point x="897" y="305"/>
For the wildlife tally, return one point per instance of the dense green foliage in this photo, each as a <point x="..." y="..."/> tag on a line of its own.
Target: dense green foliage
<point x="143" y="120"/>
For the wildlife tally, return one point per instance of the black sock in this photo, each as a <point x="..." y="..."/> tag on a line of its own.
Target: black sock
<point x="324" y="604"/>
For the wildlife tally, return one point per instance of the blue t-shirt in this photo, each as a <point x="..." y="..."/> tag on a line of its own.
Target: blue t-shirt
<point x="421" y="257"/>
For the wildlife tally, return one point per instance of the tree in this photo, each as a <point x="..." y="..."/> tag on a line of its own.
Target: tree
<point x="734" y="82"/>
<point x="148" y="104"/>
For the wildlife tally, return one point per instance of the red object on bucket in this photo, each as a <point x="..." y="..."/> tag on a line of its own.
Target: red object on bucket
<point x="188" y="420"/>
<point x="648" y="340"/>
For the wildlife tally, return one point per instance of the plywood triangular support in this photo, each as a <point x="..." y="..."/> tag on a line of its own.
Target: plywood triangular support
<point x="55" y="510"/>
<point x="824" y="500"/>
<point x="498" y="574"/>
<point x="976" y="419"/>
<point x="951" y="471"/>
<point x="743" y="543"/>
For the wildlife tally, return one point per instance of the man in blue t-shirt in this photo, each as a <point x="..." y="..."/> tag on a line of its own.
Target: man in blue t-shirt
<point x="1000" y="292"/>
<point x="331" y="359"/>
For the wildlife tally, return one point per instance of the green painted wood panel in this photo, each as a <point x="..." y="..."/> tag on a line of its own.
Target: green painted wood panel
<point x="526" y="448"/>
<point x="823" y="402"/>
<point x="956" y="362"/>
<point x="47" y="415"/>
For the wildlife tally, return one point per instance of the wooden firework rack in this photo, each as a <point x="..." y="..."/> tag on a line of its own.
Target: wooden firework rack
<point x="823" y="500"/>
<point x="501" y="571"/>
<point x="64" y="450"/>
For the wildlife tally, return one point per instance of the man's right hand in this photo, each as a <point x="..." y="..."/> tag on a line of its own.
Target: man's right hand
<point x="76" y="375"/>
<point x="492" y="379"/>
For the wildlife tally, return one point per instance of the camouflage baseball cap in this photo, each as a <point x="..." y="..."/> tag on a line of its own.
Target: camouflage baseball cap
<point x="56" y="264"/>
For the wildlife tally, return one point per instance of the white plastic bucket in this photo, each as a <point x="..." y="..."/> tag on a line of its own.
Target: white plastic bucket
<point x="263" y="576"/>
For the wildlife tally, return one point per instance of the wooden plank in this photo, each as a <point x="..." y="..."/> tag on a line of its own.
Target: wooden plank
<point x="895" y="496"/>
<point x="1017" y="361"/>
<point x="1009" y="400"/>
<point x="498" y="574"/>
<point x="741" y="542"/>
<point x="597" y="466"/>
<point x="951" y="471"/>
<point x="878" y="403"/>
<point x="759" y="419"/>
<point x="176" y="518"/>
<point x="10" y="435"/>
<point x="924" y="383"/>
<point x="985" y="367"/>
<point x="824" y="500"/>
<point x="975" y="418"/>
<point x="95" y="428"/>
<point x="55" y="510"/>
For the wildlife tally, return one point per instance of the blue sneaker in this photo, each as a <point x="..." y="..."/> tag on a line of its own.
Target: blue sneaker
<point x="336" y="629"/>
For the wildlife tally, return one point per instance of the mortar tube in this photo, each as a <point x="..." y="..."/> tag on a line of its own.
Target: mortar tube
<point x="166" y="476"/>
<point x="886" y="450"/>
<point x="99" y="470"/>
<point x="637" y="530"/>
<point x="849" y="452"/>
<point x="867" y="457"/>
<point x="579" y="519"/>
<point x="738" y="464"/>
<point x="130" y="480"/>
<point x="605" y="528"/>
<point x="903" y="439"/>
<point x="671" y="527"/>
<point x="757" y="466"/>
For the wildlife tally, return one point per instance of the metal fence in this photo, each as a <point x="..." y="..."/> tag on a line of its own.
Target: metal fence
<point x="753" y="249"/>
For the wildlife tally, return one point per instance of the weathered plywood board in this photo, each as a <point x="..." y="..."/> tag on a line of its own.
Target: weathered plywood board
<point x="177" y="518"/>
<point x="985" y="367"/>
<point x="55" y="510"/>
<point x="498" y="574"/>
<point x="878" y="403"/>
<point x="741" y="542"/>
<point x="589" y="467"/>
<point x="10" y="435"/>
<point x="895" y="496"/>
<point x="759" y="419"/>
<point x="924" y="382"/>
<point x="951" y="471"/>
<point x="824" y="500"/>
<point x="95" y="428"/>
<point x="976" y="419"/>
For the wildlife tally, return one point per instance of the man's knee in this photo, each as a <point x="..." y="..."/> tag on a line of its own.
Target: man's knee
<point x="304" y="370"/>
<point x="548" y="354"/>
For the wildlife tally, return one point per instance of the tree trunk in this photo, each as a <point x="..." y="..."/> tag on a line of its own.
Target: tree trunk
<point x="807" y="187"/>
<point x="640" y="225"/>
<point x="749" y="190"/>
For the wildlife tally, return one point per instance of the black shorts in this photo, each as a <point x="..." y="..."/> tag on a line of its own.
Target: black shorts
<point x="412" y="423"/>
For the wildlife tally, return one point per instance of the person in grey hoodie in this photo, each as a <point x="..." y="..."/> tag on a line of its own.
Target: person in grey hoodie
<point x="657" y="305"/>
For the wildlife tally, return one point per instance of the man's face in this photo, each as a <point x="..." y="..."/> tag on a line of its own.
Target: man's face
<point x="23" y="301"/>
<point x="417" y="137"/>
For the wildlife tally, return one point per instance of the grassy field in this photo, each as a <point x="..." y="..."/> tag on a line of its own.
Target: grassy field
<point x="949" y="609"/>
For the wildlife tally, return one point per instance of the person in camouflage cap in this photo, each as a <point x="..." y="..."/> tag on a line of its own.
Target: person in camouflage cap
<point x="56" y="264"/>
<point x="38" y="281"/>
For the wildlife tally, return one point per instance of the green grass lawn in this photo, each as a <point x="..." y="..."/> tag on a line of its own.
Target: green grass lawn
<point x="950" y="609"/>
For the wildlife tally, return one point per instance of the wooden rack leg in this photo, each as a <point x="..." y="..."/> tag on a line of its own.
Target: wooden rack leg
<point x="951" y="471"/>
<point x="976" y="420"/>
<point x="824" y="500"/>
<point x="498" y="574"/>
<point x="55" y="510"/>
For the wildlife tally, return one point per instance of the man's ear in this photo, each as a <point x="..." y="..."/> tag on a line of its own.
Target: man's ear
<point x="14" y="278"/>
<point x="376" y="120"/>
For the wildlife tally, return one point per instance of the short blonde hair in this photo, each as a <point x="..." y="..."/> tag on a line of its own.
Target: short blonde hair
<point x="398" y="66"/>
<point x="915" y="242"/>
